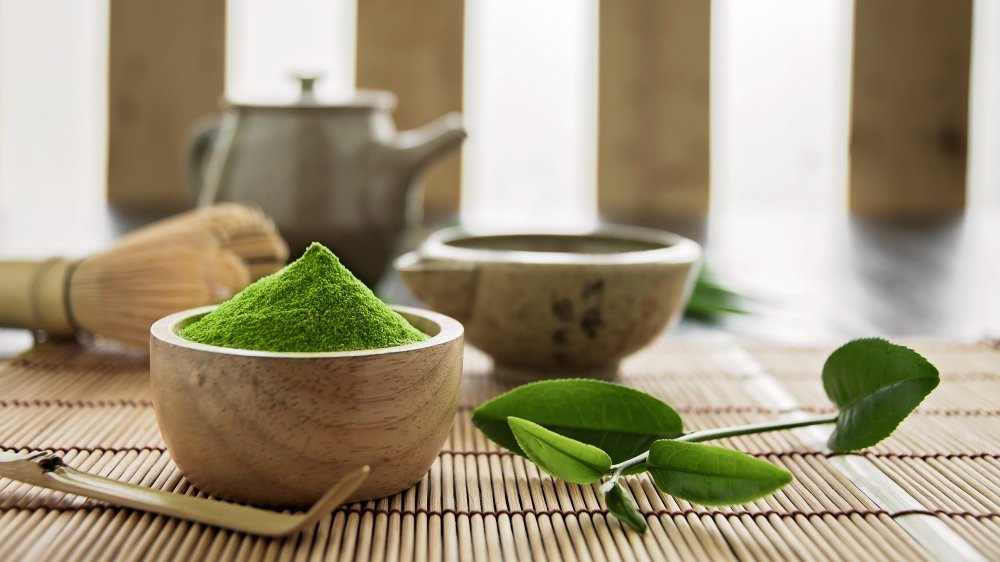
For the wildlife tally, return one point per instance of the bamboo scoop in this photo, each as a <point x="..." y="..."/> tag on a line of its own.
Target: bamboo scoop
<point x="193" y="259"/>
<point x="48" y="471"/>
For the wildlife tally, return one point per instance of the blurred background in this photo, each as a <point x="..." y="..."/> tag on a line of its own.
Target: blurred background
<point x="838" y="160"/>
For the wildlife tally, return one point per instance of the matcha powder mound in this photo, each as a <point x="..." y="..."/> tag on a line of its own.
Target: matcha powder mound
<point x="314" y="304"/>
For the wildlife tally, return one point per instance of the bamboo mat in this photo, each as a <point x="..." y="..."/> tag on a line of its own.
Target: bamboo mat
<point x="92" y="405"/>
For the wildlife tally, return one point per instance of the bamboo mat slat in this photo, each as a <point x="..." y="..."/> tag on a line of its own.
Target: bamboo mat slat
<point x="92" y="405"/>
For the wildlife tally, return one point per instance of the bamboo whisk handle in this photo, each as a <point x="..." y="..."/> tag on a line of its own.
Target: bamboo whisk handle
<point x="34" y="295"/>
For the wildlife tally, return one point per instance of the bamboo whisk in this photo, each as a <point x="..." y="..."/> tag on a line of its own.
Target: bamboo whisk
<point x="193" y="259"/>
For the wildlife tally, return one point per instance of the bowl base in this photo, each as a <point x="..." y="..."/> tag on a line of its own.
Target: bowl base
<point x="521" y="375"/>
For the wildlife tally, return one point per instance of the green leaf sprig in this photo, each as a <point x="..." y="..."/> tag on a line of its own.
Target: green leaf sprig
<point x="711" y="302"/>
<point x="584" y="431"/>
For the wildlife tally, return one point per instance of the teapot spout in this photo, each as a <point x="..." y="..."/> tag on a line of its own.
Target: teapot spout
<point x="417" y="148"/>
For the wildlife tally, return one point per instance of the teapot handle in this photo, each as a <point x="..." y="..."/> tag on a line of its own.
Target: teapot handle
<point x="200" y="143"/>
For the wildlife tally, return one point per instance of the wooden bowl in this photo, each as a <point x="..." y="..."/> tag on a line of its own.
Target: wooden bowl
<point x="278" y="429"/>
<point x="551" y="304"/>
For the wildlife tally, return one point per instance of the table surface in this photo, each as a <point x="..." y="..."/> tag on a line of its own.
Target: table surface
<point x="928" y="492"/>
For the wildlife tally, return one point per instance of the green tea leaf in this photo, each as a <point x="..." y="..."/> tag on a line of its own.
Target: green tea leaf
<point x="560" y="456"/>
<point x="710" y="475"/>
<point x="876" y="384"/>
<point x="622" y="505"/>
<point x="615" y="418"/>
<point x="711" y="302"/>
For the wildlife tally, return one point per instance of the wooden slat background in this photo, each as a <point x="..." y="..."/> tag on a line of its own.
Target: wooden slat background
<point x="415" y="49"/>
<point x="166" y="69"/>
<point x="909" y="117"/>
<point x="653" y="111"/>
<point x="910" y="103"/>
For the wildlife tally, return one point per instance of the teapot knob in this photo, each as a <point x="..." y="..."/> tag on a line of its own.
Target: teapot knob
<point x="307" y="84"/>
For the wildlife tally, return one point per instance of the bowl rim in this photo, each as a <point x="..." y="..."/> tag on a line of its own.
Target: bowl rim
<point x="677" y="250"/>
<point x="165" y="330"/>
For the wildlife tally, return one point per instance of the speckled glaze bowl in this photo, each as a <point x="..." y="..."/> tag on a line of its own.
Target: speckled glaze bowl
<point x="545" y="304"/>
<point x="278" y="429"/>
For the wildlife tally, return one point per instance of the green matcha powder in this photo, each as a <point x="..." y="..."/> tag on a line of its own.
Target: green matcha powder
<point x="313" y="304"/>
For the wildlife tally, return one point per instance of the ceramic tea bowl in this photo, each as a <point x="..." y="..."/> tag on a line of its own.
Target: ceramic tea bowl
<point x="278" y="429"/>
<point x="556" y="304"/>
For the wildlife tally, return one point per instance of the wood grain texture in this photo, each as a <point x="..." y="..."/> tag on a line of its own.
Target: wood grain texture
<point x="415" y="49"/>
<point x="653" y="111"/>
<point x="910" y="103"/>
<point x="166" y="69"/>
<point x="305" y="419"/>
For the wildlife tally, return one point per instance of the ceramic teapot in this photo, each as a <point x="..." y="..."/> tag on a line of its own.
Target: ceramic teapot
<point x="334" y="172"/>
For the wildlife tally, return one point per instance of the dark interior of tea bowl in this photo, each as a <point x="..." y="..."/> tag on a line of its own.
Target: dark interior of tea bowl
<point x="569" y="243"/>
<point x="606" y="244"/>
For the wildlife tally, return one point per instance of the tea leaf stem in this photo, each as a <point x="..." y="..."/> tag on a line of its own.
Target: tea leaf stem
<point x="709" y="434"/>
<point x="722" y="432"/>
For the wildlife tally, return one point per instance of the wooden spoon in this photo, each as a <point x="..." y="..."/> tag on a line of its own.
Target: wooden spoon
<point x="48" y="470"/>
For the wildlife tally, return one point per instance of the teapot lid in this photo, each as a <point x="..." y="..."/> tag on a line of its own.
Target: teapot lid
<point x="307" y="98"/>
